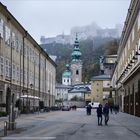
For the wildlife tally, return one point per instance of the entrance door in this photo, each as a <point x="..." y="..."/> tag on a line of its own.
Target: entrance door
<point x="137" y="98"/>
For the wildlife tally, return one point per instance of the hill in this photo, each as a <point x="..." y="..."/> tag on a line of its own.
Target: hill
<point x="91" y="51"/>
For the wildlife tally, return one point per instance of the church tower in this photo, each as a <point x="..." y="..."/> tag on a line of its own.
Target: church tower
<point x="66" y="77"/>
<point x="76" y="64"/>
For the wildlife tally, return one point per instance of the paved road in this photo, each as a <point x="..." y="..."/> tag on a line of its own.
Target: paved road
<point x="75" y="125"/>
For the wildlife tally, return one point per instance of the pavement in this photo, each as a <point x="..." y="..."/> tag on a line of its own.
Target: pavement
<point x="75" y="125"/>
<point x="131" y="122"/>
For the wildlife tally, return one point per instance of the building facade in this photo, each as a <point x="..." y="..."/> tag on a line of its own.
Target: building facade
<point x="25" y="68"/>
<point x="100" y="88"/>
<point x="62" y="93"/>
<point x="127" y="71"/>
<point x="107" y="64"/>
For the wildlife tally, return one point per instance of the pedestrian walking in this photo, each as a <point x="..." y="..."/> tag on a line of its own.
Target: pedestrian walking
<point x="111" y="108"/>
<point x="89" y="109"/>
<point x="116" y="108"/>
<point x="106" y="113"/>
<point x="99" y="114"/>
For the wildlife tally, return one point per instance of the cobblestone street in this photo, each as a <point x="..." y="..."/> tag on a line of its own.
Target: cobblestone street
<point x="75" y="125"/>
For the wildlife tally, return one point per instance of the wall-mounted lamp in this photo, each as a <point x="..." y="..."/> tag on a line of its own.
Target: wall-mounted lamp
<point x="129" y="65"/>
<point x="132" y="61"/>
<point x="137" y="53"/>
<point x="127" y="68"/>
<point x="134" y="58"/>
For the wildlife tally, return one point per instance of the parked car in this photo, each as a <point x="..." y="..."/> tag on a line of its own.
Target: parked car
<point x="94" y="105"/>
<point x="65" y="108"/>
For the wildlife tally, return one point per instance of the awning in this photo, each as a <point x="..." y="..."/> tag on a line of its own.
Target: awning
<point x="30" y="97"/>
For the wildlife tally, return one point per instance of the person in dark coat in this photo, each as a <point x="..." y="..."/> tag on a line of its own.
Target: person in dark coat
<point x="89" y="109"/>
<point x="99" y="114"/>
<point x="106" y="113"/>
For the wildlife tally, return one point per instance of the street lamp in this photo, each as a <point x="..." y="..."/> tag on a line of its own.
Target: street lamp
<point x="31" y="85"/>
<point x="11" y="110"/>
<point x="49" y="97"/>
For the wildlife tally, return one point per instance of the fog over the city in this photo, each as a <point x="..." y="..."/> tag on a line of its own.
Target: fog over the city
<point x="52" y="17"/>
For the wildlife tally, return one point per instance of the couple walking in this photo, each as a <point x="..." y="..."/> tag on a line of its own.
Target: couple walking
<point x="103" y="111"/>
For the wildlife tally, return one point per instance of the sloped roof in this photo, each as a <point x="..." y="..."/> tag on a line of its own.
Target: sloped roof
<point x="67" y="74"/>
<point x="80" y="89"/>
<point x="63" y="86"/>
<point x="101" y="77"/>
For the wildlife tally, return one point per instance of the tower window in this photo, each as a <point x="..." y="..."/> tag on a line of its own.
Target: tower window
<point x="77" y="72"/>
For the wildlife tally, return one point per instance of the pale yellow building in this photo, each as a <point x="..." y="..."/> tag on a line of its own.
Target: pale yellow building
<point x="26" y="70"/>
<point x="127" y="71"/>
<point x="100" y="88"/>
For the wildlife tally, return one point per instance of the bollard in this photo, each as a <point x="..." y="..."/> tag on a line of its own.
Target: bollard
<point x="5" y="128"/>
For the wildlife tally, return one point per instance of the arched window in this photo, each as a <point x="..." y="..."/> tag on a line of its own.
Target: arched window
<point x="77" y="72"/>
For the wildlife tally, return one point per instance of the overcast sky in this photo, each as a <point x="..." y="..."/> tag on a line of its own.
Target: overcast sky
<point x="52" y="17"/>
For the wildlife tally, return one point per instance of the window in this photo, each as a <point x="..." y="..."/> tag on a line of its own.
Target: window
<point x="128" y="43"/>
<point x="67" y="80"/>
<point x="125" y="50"/>
<point x="77" y="72"/>
<point x="33" y="58"/>
<point x="30" y="54"/>
<point x="18" y="74"/>
<point x="128" y="60"/>
<point x="133" y="34"/>
<point x="21" y="75"/>
<point x="7" y="36"/>
<point x="25" y="50"/>
<point x="1" y="97"/>
<point x="14" y="71"/>
<point x="1" y="27"/>
<point x="7" y="74"/>
<point x="20" y="47"/>
<point x="1" y="66"/>
<point x="110" y="61"/>
<point x="13" y="40"/>
<point x="17" y="44"/>
<point x="133" y="53"/>
<point x="123" y="56"/>
<point x="30" y="77"/>
<point x="139" y="46"/>
<point x="130" y="57"/>
<point x="139" y="21"/>
<point x="25" y="76"/>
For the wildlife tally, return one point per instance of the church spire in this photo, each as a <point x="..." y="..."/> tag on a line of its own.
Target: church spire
<point x="76" y="54"/>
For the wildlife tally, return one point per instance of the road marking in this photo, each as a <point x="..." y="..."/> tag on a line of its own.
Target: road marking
<point x="28" y="138"/>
